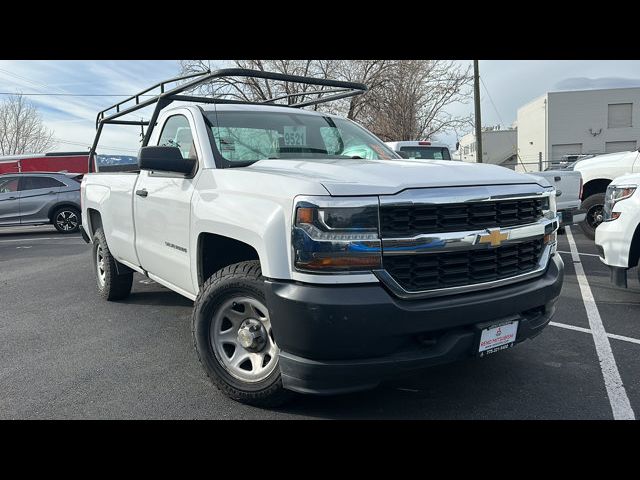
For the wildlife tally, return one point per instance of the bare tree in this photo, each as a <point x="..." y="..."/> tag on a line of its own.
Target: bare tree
<point x="406" y="99"/>
<point x="416" y="105"/>
<point x="259" y="89"/>
<point x="21" y="128"/>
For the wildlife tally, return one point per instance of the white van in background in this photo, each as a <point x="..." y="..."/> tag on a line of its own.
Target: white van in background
<point x="422" y="149"/>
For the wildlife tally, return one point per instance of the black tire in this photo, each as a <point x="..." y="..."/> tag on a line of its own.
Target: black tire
<point x="111" y="286"/>
<point x="593" y="205"/>
<point x="240" y="279"/>
<point x="66" y="219"/>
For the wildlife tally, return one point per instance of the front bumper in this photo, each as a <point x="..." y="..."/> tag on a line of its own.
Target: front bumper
<point x="337" y="339"/>
<point x="613" y="252"/>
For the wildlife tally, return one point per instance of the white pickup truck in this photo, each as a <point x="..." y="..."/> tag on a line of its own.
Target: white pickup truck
<point x="597" y="173"/>
<point x="318" y="259"/>
<point x="568" y="183"/>
<point x="618" y="236"/>
<point x="423" y="149"/>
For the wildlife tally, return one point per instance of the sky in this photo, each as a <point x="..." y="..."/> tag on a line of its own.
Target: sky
<point x="507" y="85"/>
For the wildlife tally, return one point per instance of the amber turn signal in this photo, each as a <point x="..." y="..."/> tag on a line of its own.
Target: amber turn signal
<point x="304" y="215"/>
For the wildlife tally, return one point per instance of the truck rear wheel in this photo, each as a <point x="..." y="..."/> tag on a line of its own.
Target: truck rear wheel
<point x="594" y="206"/>
<point x="111" y="286"/>
<point x="233" y="337"/>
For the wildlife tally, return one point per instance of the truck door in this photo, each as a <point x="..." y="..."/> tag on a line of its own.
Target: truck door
<point x="162" y="209"/>
<point x="9" y="202"/>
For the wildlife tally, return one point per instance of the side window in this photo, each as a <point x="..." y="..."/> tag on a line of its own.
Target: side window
<point x="8" y="185"/>
<point x="34" y="183"/>
<point x="177" y="133"/>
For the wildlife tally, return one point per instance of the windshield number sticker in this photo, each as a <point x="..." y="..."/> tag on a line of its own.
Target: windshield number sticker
<point x="295" y="136"/>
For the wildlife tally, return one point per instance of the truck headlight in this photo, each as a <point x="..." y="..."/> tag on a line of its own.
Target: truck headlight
<point x="613" y="195"/>
<point x="549" y="204"/>
<point x="336" y="235"/>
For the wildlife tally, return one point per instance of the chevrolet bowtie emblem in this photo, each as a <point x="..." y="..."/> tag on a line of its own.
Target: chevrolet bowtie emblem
<point x="494" y="237"/>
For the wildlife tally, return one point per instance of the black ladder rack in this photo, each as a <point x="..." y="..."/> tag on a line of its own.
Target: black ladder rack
<point x="341" y="89"/>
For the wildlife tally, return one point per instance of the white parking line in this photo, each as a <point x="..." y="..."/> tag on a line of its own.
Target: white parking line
<point x="585" y="254"/>
<point x="28" y="240"/>
<point x="615" y="389"/>
<point x="586" y="330"/>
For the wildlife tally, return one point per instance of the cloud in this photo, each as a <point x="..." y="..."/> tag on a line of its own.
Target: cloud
<point x="584" y="83"/>
<point x="73" y="118"/>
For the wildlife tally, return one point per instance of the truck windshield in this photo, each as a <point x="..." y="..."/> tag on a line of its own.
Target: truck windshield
<point x="429" y="153"/>
<point x="251" y="136"/>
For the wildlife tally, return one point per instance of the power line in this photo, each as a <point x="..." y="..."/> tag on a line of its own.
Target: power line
<point x="501" y="121"/>
<point x="87" y="145"/>
<point x="33" y="82"/>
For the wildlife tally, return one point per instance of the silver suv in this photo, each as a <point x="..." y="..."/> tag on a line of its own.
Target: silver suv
<point x="36" y="198"/>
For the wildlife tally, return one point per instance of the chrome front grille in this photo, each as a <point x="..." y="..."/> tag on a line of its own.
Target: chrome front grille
<point x="463" y="267"/>
<point x="409" y="220"/>
<point x="445" y="241"/>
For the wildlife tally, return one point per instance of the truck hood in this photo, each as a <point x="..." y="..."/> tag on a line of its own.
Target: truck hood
<point x="619" y="159"/>
<point x="386" y="177"/>
<point x="629" y="179"/>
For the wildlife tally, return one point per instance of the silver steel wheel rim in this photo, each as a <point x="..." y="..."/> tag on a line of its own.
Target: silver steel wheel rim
<point x="67" y="220"/>
<point x="102" y="274"/>
<point x="242" y="363"/>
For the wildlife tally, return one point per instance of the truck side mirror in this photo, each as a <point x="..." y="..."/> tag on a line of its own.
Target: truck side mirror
<point x="165" y="159"/>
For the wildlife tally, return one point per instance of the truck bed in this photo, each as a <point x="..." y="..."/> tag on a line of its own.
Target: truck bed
<point x="567" y="182"/>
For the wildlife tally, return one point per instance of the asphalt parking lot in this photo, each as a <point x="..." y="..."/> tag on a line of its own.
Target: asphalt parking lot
<point x="65" y="353"/>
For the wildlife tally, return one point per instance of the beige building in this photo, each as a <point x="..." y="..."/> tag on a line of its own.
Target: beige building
<point x="499" y="147"/>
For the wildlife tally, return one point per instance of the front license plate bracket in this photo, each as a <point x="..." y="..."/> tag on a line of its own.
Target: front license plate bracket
<point x="493" y="337"/>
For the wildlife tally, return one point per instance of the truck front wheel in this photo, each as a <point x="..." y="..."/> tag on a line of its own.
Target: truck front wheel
<point x="233" y="337"/>
<point x="594" y="206"/>
<point x="111" y="285"/>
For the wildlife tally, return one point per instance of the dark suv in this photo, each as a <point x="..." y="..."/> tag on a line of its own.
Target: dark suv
<point x="36" y="198"/>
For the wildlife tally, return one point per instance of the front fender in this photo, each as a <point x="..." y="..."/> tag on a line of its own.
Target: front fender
<point x="258" y="222"/>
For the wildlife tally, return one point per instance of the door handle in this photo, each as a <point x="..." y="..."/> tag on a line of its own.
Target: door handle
<point x="12" y="198"/>
<point x="142" y="193"/>
<point x="557" y="179"/>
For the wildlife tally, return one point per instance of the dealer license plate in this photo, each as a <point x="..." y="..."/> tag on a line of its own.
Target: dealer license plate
<point x="498" y="337"/>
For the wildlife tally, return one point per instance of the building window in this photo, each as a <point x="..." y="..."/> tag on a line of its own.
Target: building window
<point x="613" y="147"/>
<point x="560" y="151"/>
<point x="620" y="115"/>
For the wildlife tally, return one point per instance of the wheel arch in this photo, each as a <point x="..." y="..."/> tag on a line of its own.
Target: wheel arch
<point x="208" y="257"/>
<point x="592" y="187"/>
<point x="634" y="250"/>
<point x="94" y="220"/>
<point x="60" y="205"/>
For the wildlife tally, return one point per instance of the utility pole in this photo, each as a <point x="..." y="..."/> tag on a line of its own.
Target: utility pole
<point x="478" y="119"/>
